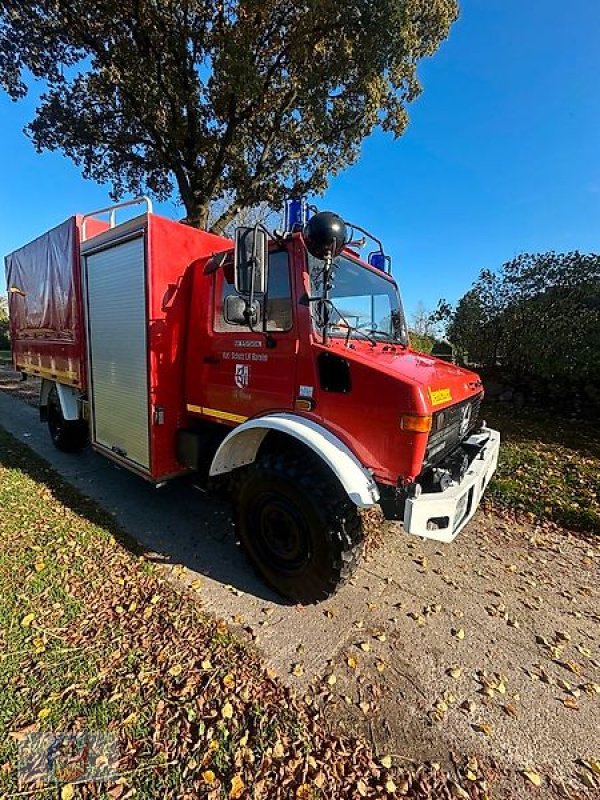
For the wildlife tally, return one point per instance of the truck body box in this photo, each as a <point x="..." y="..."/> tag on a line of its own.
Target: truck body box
<point x="108" y="315"/>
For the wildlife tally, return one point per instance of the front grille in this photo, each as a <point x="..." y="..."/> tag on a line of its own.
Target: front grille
<point x="446" y="432"/>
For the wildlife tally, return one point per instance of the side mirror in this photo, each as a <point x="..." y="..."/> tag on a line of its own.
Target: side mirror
<point x="251" y="260"/>
<point x="241" y="311"/>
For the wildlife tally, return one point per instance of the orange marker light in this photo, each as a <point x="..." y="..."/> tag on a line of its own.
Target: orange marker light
<point x="415" y="423"/>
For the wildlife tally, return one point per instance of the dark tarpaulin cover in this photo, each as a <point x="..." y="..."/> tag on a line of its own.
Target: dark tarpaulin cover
<point x="40" y="278"/>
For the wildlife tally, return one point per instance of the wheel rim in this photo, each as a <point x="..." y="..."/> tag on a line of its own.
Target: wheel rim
<point x="282" y="534"/>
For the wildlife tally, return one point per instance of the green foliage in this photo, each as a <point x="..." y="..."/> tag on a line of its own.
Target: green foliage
<point x="549" y="467"/>
<point x="248" y="101"/>
<point x="421" y="342"/>
<point x="4" y="326"/>
<point x="537" y="317"/>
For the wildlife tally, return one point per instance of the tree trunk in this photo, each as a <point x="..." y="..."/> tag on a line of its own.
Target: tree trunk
<point x="226" y="217"/>
<point x="196" y="214"/>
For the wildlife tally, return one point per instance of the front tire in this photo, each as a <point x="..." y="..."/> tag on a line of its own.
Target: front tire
<point x="297" y="526"/>
<point x="70" y="436"/>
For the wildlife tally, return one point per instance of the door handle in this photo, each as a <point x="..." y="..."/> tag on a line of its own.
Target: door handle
<point x="211" y="359"/>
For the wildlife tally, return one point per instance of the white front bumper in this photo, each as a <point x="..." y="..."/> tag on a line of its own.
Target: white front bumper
<point x="442" y="515"/>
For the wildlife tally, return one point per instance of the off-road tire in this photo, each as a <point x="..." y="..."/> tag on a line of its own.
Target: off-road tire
<point x="318" y="536"/>
<point x="70" y="436"/>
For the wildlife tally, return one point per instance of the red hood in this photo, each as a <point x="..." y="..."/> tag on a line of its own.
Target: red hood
<point x="440" y="383"/>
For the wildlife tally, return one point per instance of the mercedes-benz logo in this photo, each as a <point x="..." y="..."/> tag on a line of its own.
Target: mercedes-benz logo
<point x="465" y="419"/>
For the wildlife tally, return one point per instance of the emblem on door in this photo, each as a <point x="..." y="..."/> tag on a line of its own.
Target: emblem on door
<point x="242" y="375"/>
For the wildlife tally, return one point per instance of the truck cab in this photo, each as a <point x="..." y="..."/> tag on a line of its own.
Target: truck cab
<point x="321" y="355"/>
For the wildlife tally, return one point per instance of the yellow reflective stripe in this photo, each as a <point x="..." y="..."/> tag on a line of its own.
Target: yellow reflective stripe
<point x="50" y="373"/>
<point x="213" y="412"/>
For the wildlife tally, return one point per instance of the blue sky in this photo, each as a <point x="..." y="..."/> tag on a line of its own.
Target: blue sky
<point x="502" y="154"/>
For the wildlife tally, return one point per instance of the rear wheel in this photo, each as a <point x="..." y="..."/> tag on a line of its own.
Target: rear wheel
<point x="70" y="436"/>
<point x="298" y="527"/>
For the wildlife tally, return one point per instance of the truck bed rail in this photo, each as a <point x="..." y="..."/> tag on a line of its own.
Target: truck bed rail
<point x="112" y="212"/>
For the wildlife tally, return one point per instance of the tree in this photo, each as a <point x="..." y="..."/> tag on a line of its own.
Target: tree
<point x="421" y="321"/>
<point x="245" y="100"/>
<point x="538" y="317"/>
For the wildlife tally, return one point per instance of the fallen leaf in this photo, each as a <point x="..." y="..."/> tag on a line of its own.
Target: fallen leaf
<point x="570" y="702"/>
<point x="459" y="634"/>
<point x="229" y="681"/>
<point x="208" y="776"/>
<point x="227" y="711"/>
<point x="571" y="666"/>
<point x="176" y="670"/>
<point x="390" y="786"/>
<point x="458" y="792"/>
<point x="298" y="670"/>
<point x="455" y="672"/>
<point x="510" y="710"/>
<point x="587" y="780"/>
<point x="27" y="620"/>
<point x="67" y="792"/>
<point x="351" y="661"/>
<point x="483" y="727"/>
<point x="331" y="679"/>
<point x="237" y="787"/>
<point x="365" y="646"/>
<point x="533" y="776"/>
<point x="386" y="761"/>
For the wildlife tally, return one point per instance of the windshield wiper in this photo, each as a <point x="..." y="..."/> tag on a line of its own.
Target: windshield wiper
<point x="386" y="336"/>
<point x="350" y="328"/>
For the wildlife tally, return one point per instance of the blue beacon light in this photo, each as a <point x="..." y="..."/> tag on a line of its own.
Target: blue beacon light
<point x="296" y="213"/>
<point x="378" y="260"/>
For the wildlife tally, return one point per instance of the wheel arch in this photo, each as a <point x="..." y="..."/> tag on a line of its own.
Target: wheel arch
<point x="68" y="397"/>
<point x="241" y="446"/>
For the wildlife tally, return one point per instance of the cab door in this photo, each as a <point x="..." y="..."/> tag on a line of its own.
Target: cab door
<point x="248" y="372"/>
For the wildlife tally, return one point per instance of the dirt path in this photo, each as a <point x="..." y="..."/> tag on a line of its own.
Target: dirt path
<point x="488" y="647"/>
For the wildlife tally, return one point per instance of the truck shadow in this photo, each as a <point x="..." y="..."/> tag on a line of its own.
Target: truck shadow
<point x="177" y="524"/>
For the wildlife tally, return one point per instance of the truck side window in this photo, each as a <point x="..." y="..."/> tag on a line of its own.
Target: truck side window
<point x="279" y="294"/>
<point x="278" y="302"/>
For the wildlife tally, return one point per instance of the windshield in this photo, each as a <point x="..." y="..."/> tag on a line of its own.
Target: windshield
<point x="362" y="303"/>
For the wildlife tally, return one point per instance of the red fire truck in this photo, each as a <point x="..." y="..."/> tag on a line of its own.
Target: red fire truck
<point x="279" y="363"/>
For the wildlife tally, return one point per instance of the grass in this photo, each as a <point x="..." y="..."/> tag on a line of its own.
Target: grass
<point x="5" y="357"/>
<point x="549" y="466"/>
<point x="95" y="638"/>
